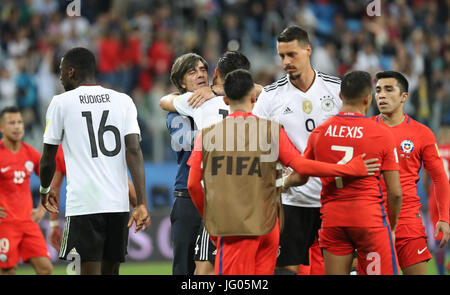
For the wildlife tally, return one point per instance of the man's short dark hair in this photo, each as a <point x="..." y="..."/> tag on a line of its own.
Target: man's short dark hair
<point x="238" y="84"/>
<point x="181" y="66"/>
<point x="356" y="85"/>
<point x="10" y="109"/>
<point x="401" y="80"/>
<point x="292" y="33"/>
<point x="82" y="60"/>
<point x="230" y="61"/>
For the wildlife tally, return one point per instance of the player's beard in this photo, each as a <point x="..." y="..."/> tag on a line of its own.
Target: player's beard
<point x="293" y="76"/>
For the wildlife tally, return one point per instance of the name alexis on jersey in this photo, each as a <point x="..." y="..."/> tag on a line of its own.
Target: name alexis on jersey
<point x="99" y="98"/>
<point x="344" y="131"/>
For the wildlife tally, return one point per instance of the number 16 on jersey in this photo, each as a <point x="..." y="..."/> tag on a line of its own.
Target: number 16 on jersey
<point x="101" y="131"/>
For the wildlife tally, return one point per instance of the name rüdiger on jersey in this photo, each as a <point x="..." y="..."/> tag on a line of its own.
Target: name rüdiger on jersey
<point x="99" y="98"/>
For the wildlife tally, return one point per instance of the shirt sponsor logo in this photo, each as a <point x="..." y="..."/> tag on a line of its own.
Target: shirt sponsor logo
<point x="407" y="146"/>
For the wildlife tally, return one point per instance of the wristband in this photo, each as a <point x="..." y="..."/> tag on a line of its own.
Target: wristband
<point x="212" y="90"/>
<point x="44" y="190"/>
<point x="54" y="223"/>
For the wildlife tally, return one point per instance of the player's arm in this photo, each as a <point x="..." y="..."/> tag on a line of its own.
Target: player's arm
<point x="135" y="163"/>
<point x="195" y="175"/>
<point x="295" y="179"/>
<point x="394" y="196"/>
<point x="47" y="167"/>
<point x="195" y="189"/>
<point x="292" y="178"/>
<point x="203" y="94"/>
<point x="132" y="194"/>
<point x="166" y="102"/>
<point x="261" y="104"/>
<point x="290" y="156"/>
<point x="55" y="237"/>
<point x="435" y="168"/>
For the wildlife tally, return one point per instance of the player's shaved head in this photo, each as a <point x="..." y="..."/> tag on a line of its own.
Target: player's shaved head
<point x="82" y="60"/>
<point x="238" y="84"/>
<point x="401" y="80"/>
<point x="355" y="86"/>
<point x="77" y="66"/>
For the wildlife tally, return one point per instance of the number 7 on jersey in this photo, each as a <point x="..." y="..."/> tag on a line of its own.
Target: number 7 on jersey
<point x="347" y="157"/>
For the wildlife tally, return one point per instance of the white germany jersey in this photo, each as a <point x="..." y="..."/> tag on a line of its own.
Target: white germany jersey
<point x="300" y="112"/>
<point x="91" y="123"/>
<point x="210" y="112"/>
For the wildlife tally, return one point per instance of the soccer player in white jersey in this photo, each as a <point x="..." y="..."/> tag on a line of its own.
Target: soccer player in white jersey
<point x="300" y="101"/>
<point x="100" y="138"/>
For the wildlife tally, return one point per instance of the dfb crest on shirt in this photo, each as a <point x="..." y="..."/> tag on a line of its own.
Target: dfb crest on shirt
<point x="307" y="106"/>
<point x="407" y="146"/>
<point x="29" y="166"/>
<point x="327" y="103"/>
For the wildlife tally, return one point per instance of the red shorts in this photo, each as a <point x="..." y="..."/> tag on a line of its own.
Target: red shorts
<point x="411" y="244"/>
<point x="247" y="255"/>
<point x="374" y="245"/>
<point x="20" y="240"/>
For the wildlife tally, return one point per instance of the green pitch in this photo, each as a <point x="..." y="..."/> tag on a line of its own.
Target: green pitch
<point x="128" y="268"/>
<point x="154" y="268"/>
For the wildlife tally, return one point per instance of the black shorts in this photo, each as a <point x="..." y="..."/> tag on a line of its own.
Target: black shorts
<point x="96" y="237"/>
<point x="204" y="249"/>
<point x="301" y="227"/>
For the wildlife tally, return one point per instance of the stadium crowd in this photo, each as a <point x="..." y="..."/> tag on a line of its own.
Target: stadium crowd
<point x="137" y="41"/>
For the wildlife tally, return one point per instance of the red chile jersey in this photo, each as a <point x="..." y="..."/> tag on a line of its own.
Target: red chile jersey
<point x="352" y="201"/>
<point x="60" y="163"/>
<point x="416" y="145"/>
<point x="15" y="172"/>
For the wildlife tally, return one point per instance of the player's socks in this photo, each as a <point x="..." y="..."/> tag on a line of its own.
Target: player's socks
<point x="284" y="272"/>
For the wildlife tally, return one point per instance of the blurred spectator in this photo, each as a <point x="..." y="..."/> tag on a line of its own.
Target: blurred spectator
<point x="367" y="59"/>
<point x="7" y="89"/>
<point x="44" y="7"/>
<point x="324" y="59"/>
<point x="109" y="59"/>
<point x="160" y="54"/>
<point x="26" y="87"/>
